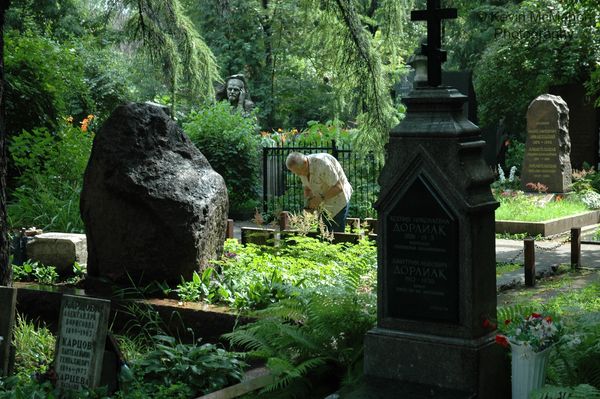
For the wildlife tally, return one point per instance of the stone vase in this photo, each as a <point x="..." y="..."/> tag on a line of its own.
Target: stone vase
<point x="528" y="369"/>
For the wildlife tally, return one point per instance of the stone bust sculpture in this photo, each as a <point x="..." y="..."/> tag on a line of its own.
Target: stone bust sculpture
<point x="236" y="92"/>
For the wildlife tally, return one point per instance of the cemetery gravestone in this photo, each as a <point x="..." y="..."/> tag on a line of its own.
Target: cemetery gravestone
<point x="548" y="148"/>
<point x="436" y="277"/>
<point x="8" y="300"/>
<point x="83" y="326"/>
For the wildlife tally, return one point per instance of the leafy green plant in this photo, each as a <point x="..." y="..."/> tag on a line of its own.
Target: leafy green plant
<point x="35" y="271"/>
<point x="230" y="143"/>
<point x="312" y="332"/>
<point x="252" y="277"/>
<point x="198" y="288"/>
<point x="51" y="170"/>
<point x="45" y="80"/>
<point x="34" y="347"/>
<point x="203" y="368"/>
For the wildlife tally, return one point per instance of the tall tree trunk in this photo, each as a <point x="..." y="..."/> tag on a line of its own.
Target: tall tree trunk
<point x="269" y="61"/>
<point x="5" y="267"/>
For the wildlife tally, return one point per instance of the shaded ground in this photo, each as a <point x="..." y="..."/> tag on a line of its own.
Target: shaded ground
<point x="550" y="286"/>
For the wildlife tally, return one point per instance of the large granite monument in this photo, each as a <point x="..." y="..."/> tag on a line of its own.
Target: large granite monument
<point x="436" y="253"/>
<point x="153" y="208"/>
<point x="548" y="147"/>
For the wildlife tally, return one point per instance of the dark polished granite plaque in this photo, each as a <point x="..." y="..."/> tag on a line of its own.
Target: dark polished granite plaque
<point x="421" y="263"/>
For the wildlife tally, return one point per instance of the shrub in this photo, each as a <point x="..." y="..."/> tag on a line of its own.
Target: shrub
<point x="230" y="143"/>
<point x="252" y="277"/>
<point x="51" y="176"/>
<point x="199" y="369"/>
<point x="44" y="80"/>
<point x="312" y="333"/>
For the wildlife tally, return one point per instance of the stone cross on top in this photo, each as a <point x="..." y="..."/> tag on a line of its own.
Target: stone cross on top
<point x="435" y="55"/>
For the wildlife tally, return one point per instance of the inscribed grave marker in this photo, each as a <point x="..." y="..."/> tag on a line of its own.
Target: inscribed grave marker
<point x="436" y="262"/>
<point x="423" y="273"/>
<point x="80" y="347"/>
<point x="548" y="148"/>
<point x="8" y="299"/>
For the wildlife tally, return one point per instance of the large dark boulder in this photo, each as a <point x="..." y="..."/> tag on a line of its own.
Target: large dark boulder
<point x="153" y="207"/>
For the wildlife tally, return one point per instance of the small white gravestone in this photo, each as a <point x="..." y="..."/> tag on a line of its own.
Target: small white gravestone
<point x="8" y="300"/>
<point x="82" y="330"/>
<point x="60" y="250"/>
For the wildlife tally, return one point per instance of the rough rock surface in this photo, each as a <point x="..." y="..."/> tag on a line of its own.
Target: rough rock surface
<point x="153" y="207"/>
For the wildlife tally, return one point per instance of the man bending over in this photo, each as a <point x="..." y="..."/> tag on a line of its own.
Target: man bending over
<point x="325" y="185"/>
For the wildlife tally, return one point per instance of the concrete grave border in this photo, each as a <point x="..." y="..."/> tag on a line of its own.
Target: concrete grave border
<point x="549" y="227"/>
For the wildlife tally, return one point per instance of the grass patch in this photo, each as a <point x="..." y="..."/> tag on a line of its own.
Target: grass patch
<point x="503" y="268"/>
<point x="521" y="207"/>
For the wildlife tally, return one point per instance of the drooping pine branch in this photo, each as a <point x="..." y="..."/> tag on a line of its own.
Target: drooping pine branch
<point x="171" y="41"/>
<point x="358" y="64"/>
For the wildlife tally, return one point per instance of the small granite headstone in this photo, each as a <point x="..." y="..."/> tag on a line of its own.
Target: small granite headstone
<point x="8" y="300"/>
<point x="548" y="148"/>
<point x="82" y="328"/>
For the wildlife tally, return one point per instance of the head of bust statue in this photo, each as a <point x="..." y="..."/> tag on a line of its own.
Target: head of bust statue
<point x="234" y="88"/>
<point x="235" y="91"/>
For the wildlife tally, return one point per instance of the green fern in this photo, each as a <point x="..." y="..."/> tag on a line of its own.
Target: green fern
<point x="517" y="311"/>
<point x="318" y="330"/>
<point x="582" y="391"/>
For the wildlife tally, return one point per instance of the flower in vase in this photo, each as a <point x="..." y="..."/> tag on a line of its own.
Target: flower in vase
<point x="535" y="330"/>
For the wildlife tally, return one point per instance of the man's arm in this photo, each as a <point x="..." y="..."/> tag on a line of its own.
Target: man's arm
<point x="332" y="192"/>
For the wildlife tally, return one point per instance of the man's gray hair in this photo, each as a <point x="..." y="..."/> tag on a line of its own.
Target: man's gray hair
<point x="295" y="159"/>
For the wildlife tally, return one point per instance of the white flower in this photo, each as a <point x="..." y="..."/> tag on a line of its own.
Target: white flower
<point x="501" y="175"/>
<point x="591" y="199"/>
<point x="511" y="175"/>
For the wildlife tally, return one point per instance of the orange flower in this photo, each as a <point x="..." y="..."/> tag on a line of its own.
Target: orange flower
<point x="84" y="124"/>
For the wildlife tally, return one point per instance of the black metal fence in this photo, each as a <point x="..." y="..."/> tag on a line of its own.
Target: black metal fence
<point x="282" y="190"/>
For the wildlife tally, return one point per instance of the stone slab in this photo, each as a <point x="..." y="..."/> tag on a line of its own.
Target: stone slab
<point x="352" y="238"/>
<point x="381" y="388"/>
<point x="550" y="227"/>
<point x="208" y="322"/>
<point x="60" y="250"/>
<point x="253" y="380"/>
<point x="8" y="299"/>
<point x="446" y="363"/>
